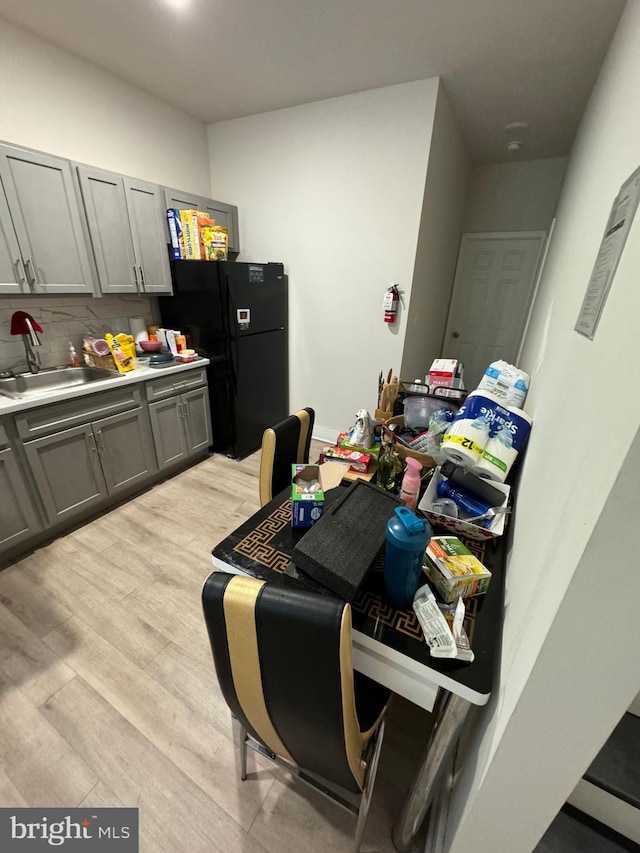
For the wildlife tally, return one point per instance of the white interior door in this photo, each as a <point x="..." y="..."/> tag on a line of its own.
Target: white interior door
<point x="492" y="293"/>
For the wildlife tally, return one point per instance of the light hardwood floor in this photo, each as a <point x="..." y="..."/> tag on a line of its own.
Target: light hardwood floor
<point x="108" y="695"/>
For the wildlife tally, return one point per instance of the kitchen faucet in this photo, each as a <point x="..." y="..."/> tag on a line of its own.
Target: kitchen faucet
<point x="24" y="324"/>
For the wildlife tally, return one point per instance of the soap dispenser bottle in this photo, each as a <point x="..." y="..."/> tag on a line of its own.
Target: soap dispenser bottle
<point x="74" y="359"/>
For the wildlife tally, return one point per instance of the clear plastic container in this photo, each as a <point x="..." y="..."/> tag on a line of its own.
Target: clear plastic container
<point x="418" y="409"/>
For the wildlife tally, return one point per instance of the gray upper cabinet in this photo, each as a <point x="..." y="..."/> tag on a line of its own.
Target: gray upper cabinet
<point x="105" y="204"/>
<point x="147" y="215"/>
<point x="13" y="277"/>
<point x="224" y="214"/>
<point x="126" y="220"/>
<point x="18" y="520"/>
<point x="46" y="217"/>
<point x="182" y="201"/>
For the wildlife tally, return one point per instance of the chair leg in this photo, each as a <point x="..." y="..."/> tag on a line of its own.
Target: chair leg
<point x="367" y="793"/>
<point x="243" y="753"/>
<point x="240" y="739"/>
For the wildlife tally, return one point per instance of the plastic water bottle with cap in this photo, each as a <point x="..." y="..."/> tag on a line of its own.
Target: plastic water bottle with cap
<point x="407" y="540"/>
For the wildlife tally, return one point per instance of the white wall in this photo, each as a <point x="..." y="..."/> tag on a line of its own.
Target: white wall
<point x="438" y="243"/>
<point x="518" y="196"/>
<point x="55" y="102"/>
<point x="554" y="663"/>
<point x="334" y="189"/>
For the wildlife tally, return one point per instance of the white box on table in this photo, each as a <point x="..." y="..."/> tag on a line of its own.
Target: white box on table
<point x="458" y="525"/>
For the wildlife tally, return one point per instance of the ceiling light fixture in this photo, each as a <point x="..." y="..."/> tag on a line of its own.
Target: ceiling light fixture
<point x="178" y="5"/>
<point x="514" y="132"/>
<point x="516" y="127"/>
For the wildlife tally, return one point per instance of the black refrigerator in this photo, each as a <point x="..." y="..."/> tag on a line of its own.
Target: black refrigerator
<point x="235" y="314"/>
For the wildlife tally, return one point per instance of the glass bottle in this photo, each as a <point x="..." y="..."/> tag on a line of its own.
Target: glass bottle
<point x="388" y="467"/>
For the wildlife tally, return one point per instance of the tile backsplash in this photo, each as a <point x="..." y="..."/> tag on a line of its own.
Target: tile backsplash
<point x="67" y="318"/>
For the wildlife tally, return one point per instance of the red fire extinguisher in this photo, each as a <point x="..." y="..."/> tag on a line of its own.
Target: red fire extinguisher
<point x="390" y="303"/>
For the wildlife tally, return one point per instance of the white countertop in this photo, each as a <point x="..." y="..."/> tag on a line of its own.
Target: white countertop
<point x="112" y="381"/>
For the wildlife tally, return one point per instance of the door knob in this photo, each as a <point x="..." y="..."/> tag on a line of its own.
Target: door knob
<point x="456" y="334"/>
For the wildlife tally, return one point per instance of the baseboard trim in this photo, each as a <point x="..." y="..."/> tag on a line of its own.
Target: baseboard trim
<point x="607" y="809"/>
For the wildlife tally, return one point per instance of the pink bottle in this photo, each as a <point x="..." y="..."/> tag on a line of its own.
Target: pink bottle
<point x="411" y="483"/>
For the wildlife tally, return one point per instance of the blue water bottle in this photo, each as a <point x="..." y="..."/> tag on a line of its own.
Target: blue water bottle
<point x="467" y="502"/>
<point x="407" y="540"/>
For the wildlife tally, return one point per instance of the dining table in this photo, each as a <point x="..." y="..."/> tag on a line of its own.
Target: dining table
<point x="388" y="643"/>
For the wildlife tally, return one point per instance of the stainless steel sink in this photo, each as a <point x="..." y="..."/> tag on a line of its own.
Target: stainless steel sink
<point x="27" y="385"/>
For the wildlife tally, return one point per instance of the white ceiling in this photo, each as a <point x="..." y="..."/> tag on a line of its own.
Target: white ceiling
<point x="502" y="60"/>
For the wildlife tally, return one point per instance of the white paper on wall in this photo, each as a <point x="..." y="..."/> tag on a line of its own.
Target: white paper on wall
<point x="613" y="241"/>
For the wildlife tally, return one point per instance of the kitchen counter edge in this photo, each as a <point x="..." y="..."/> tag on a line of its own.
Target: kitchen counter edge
<point x="9" y="406"/>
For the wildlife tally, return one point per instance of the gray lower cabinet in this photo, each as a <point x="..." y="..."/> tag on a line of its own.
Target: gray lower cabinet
<point x="18" y="520"/>
<point x="197" y="420"/>
<point x="67" y="472"/>
<point x="126" y="449"/>
<point x="80" y="453"/>
<point x="223" y="213"/>
<point x="47" y="221"/>
<point x="181" y="426"/>
<point x="167" y="425"/>
<point x="78" y="467"/>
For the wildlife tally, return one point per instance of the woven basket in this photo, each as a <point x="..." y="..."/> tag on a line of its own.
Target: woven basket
<point x="424" y="459"/>
<point x="104" y="362"/>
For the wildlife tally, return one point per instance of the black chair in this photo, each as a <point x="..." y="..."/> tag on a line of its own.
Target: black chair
<point x="282" y="445"/>
<point x="283" y="659"/>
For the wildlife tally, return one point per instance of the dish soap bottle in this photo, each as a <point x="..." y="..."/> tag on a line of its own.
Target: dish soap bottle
<point x="411" y="483"/>
<point x="74" y="359"/>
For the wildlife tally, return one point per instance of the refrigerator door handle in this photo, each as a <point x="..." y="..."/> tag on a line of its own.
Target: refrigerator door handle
<point x="228" y="344"/>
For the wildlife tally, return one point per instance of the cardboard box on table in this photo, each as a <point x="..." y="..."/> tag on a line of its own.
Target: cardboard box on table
<point x="306" y="507"/>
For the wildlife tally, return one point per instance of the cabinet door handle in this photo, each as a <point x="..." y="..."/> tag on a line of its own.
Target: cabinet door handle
<point x="186" y="408"/>
<point x="135" y="272"/>
<point x="33" y="278"/>
<point x="21" y="274"/>
<point x="93" y="442"/>
<point x="141" y="268"/>
<point x="100" y="441"/>
<point x="180" y="410"/>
